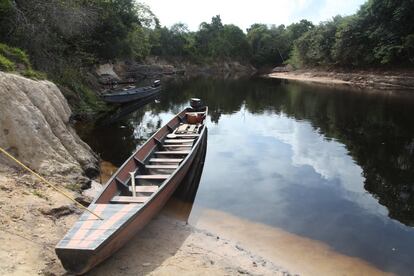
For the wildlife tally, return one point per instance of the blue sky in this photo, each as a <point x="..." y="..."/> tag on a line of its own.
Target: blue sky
<point x="245" y="13"/>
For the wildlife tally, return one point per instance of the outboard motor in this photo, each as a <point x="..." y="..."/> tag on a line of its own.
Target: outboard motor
<point x="196" y="104"/>
<point x="156" y="83"/>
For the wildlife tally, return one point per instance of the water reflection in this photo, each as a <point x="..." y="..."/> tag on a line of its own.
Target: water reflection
<point x="325" y="163"/>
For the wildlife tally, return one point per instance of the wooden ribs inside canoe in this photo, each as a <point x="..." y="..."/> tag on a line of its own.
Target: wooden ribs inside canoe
<point x="134" y="194"/>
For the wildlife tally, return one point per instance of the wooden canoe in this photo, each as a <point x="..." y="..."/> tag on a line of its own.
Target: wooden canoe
<point x="132" y="94"/>
<point x="159" y="165"/>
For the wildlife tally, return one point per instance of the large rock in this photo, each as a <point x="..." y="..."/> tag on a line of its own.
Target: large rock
<point x="34" y="127"/>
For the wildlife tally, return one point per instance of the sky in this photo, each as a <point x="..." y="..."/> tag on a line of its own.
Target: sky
<point x="244" y="13"/>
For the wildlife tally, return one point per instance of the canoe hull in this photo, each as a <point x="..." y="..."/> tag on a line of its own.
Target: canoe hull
<point x="84" y="260"/>
<point x="134" y="95"/>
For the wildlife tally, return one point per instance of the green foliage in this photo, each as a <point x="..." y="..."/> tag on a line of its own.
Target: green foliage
<point x="213" y="41"/>
<point x="87" y="102"/>
<point x="14" y="54"/>
<point x="269" y="45"/>
<point x="6" y="64"/>
<point x="314" y="46"/>
<point x="5" y="7"/>
<point x="61" y="36"/>
<point x="379" y="34"/>
<point x="33" y="74"/>
<point x="14" y="59"/>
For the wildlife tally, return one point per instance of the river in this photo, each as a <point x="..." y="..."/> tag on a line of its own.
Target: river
<point x="333" y="165"/>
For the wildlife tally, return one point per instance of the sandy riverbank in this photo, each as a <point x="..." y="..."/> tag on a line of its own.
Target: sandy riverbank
<point x="34" y="218"/>
<point x="382" y="80"/>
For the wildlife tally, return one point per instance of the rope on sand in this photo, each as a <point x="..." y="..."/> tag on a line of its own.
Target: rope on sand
<point x="47" y="182"/>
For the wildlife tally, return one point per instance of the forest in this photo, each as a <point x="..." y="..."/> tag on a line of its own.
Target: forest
<point x="57" y="34"/>
<point x="64" y="38"/>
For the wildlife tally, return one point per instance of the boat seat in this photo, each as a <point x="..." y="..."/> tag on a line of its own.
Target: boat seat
<point x="178" y="152"/>
<point x="153" y="176"/>
<point x="177" y="146"/>
<point x="166" y="160"/>
<point x="179" y="140"/>
<point x="145" y="189"/>
<point x="161" y="166"/>
<point x="130" y="199"/>
<point x="173" y="135"/>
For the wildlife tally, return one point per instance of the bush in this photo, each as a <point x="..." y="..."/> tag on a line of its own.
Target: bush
<point x="15" y="54"/>
<point x="6" y="64"/>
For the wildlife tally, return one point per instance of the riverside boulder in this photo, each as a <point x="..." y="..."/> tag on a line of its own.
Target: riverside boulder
<point x="35" y="128"/>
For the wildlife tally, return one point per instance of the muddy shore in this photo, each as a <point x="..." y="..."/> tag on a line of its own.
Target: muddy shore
<point x="380" y="80"/>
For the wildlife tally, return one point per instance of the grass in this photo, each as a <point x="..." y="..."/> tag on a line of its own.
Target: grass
<point x="16" y="60"/>
<point x="15" y="54"/>
<point x="6" y="64"/>
<point x="33" y="74"/>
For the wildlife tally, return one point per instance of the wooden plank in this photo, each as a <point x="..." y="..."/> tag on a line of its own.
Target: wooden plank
<point x="178" y="146"/>
<point x="145" y="189"/>
<point x="173" y="152"/>
<point x="162" y="166"/>
<point x="173" y="136"/>
<point x="166" y="160"/>
<point x="194" y="135"/>
<point x="130" y="199"/>
<point x="178" y="141"/>
<point x="153" y="176"/>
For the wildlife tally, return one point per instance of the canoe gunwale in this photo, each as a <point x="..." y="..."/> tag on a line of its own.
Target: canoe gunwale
<point x="124" y="97"/>
<point x="166" y="182"/>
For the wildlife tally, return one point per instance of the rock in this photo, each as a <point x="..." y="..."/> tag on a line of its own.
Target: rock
<point x="34" y="127"/>
<point x="242" y="271"/>
<point x="107" y="73"/>
<point x="94" y="190"/>
<point x="84" y="200"/>
<point x="146" y="264"/>
<point x="58" y="212"/>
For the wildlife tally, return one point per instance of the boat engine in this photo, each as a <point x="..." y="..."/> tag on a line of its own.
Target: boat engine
<point x="156" y="83"/>
<point x="196" y="104"/>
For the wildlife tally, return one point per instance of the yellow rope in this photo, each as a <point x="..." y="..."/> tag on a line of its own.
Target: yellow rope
<point x="47" y="182"/>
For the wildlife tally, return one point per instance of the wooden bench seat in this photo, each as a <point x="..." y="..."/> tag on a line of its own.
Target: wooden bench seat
<point x="161" y="166"/>
<point x="166" y="160"/>
<point x="173" y="152"/>
<point x="153" y="176"/>
<point x="172" y="136"/>
<point x="179" y="141"/>
<point x="130" y="199"/>
<point x="177" y="145"/>
<point x="145" y="189"/>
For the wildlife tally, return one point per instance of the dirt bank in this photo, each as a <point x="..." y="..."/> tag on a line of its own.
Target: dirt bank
<point x="382" y="80"/>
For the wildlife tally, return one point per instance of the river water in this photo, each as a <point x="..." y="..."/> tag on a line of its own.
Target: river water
<point x="332" y="165"/>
